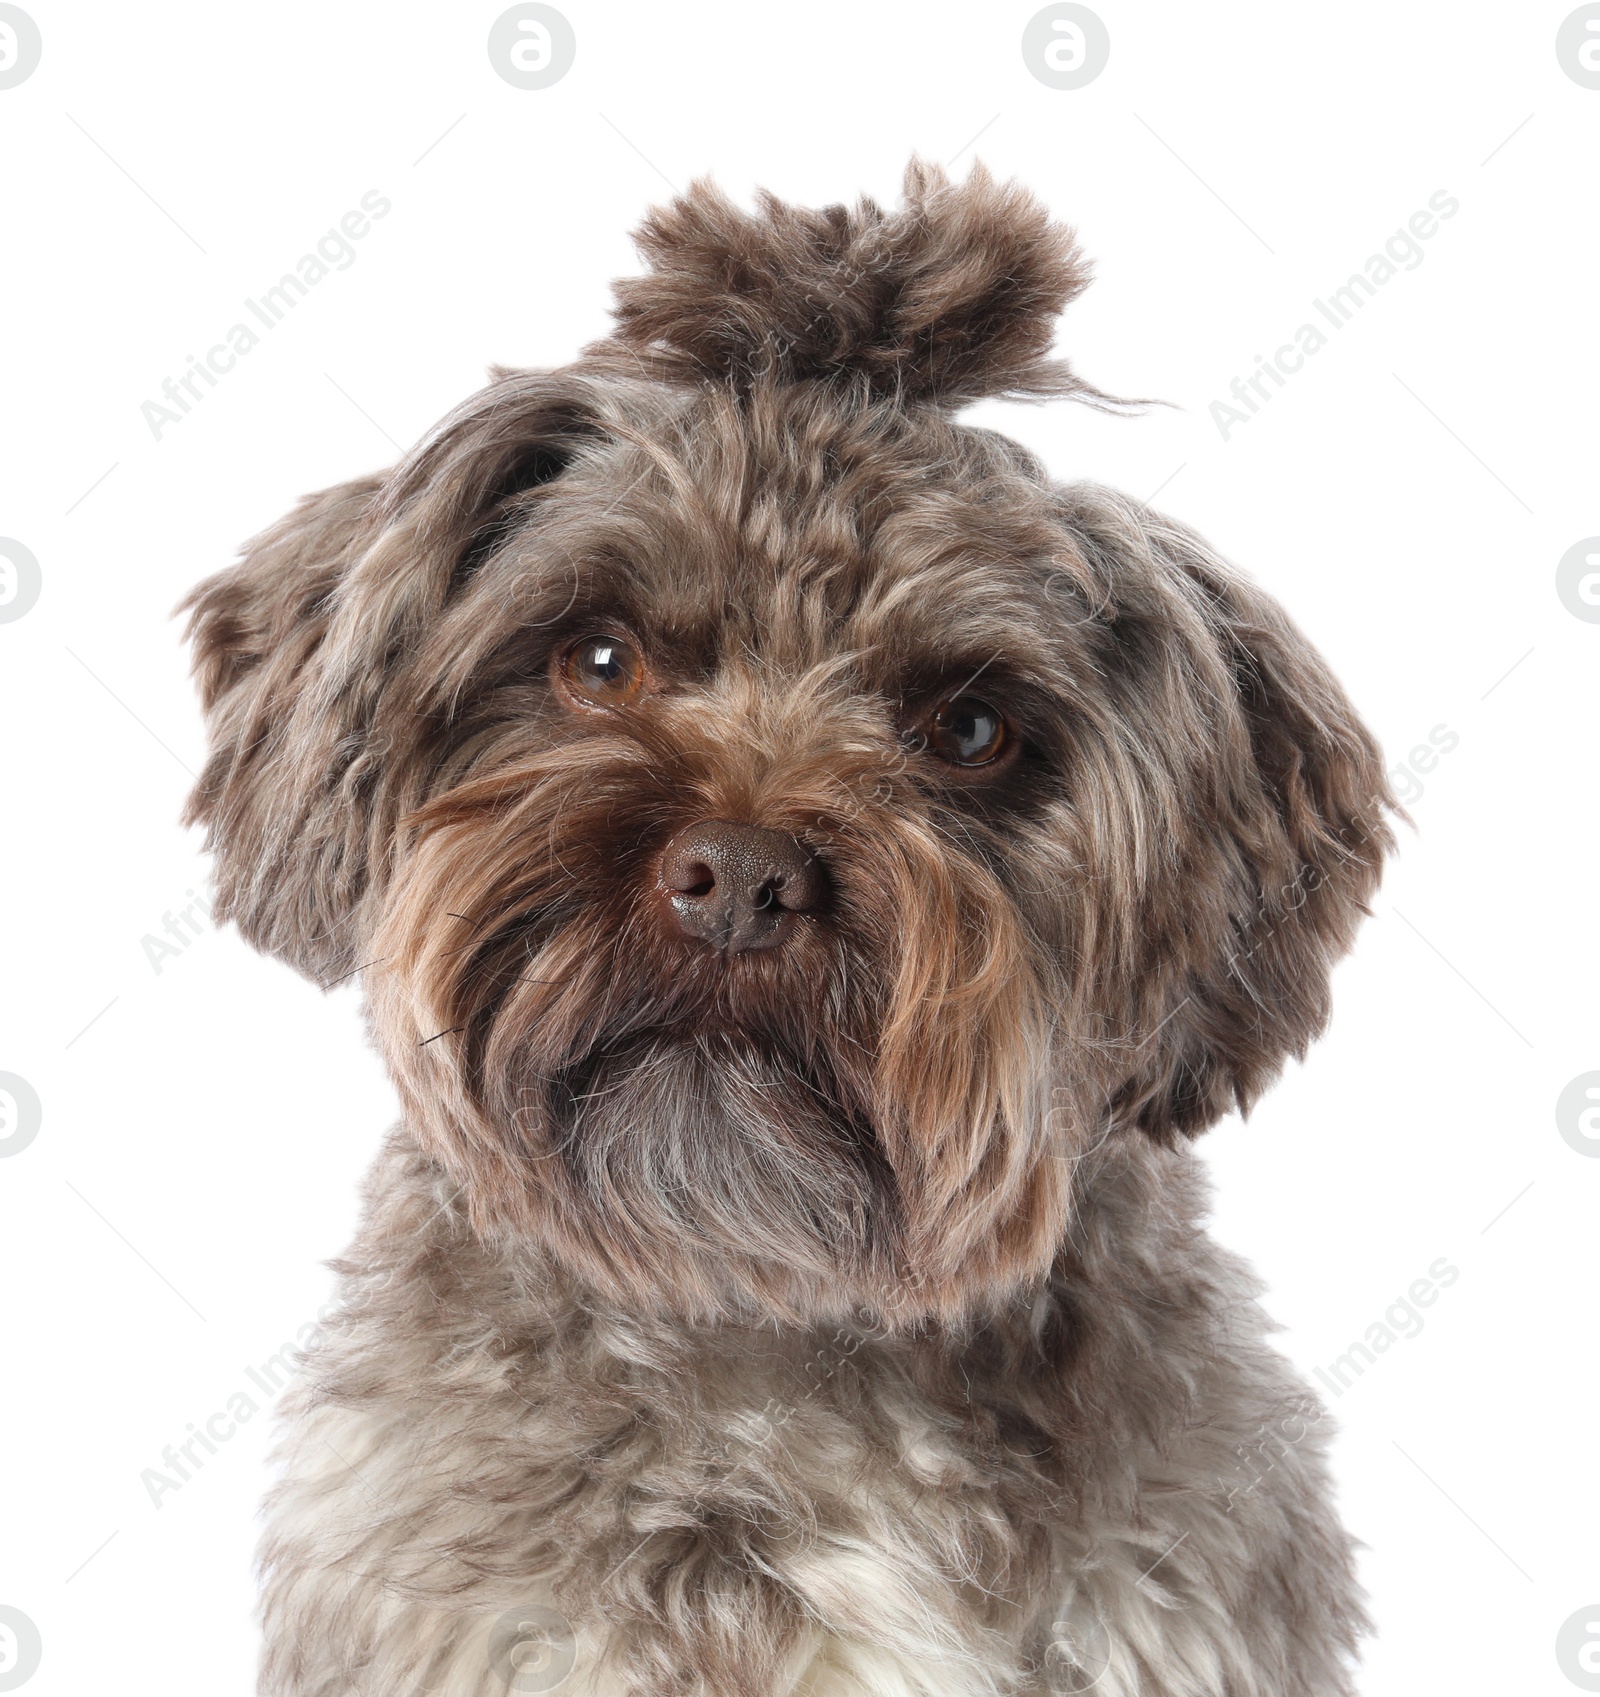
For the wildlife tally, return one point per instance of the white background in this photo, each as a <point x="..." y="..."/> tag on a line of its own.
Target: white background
<point x="1407" y="495"/>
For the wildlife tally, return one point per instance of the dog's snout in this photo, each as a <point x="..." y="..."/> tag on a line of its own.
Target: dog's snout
<point x="735" y="886"/>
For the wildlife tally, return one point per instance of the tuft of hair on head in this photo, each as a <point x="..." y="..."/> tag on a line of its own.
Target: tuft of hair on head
<point x="949" y="299"/>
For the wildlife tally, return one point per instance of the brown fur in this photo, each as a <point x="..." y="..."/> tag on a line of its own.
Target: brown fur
<point x="627" y="1155"/>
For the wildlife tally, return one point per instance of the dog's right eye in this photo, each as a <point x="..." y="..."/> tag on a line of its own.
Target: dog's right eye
<point x="602" y="671"/>
<point x="967" y="731"/>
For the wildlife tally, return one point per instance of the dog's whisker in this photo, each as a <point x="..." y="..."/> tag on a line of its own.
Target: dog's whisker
<point x="328" y="984"/>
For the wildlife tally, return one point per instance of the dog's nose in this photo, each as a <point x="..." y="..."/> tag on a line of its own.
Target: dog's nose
<point x="735" y="886"/>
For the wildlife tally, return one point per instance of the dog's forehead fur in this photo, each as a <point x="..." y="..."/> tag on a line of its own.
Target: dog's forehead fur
<point x="780" y="529"/>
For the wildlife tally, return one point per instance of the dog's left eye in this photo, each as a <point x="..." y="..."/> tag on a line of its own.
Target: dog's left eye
<point x="603" y="671"/>
<point x="968" y="732"/>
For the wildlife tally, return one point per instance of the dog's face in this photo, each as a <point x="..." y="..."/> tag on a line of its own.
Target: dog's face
<point x="780" y="829"/>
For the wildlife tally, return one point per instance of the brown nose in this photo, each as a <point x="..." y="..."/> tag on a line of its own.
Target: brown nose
<point x="735" y="886"/>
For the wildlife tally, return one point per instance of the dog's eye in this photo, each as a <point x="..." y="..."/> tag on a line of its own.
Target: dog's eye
<point x="604" y="671"/>
<point x="968" y="731"/>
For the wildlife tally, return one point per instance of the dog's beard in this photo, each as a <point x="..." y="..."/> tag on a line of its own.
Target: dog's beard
<point x="724" y="1103"/>
<point x="723" y="1136"/>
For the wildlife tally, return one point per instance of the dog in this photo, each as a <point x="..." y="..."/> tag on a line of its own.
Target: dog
<point x="812" y="876"/>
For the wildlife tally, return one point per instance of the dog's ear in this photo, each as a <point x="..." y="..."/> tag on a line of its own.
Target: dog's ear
<point x="1267" y="827"/>
<point x="286" y="828"/>
<point x="953" y="297"/>
<point x="299" y="654"/>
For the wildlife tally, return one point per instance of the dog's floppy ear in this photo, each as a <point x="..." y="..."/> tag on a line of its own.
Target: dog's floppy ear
<point x="287" y="829"/>
<point x="1268" y="841"/>
<point x="953" y="297"/>
<point x="299" y="653"/>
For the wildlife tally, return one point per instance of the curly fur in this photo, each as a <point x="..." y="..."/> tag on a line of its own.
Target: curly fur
<point x="951" y="298"/>
<point x="835" y="1319"/>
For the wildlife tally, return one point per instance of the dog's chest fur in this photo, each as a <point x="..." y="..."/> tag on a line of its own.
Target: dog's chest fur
<point x="823" y="1512"/>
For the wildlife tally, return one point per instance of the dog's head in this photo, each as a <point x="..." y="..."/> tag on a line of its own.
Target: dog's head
<point x="779" y="827"/>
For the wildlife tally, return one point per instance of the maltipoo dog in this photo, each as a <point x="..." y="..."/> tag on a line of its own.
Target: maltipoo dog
<point x="811" y="875"/>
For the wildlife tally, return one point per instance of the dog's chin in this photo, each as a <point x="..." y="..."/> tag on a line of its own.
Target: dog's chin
<point x="719" y="1136"/>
